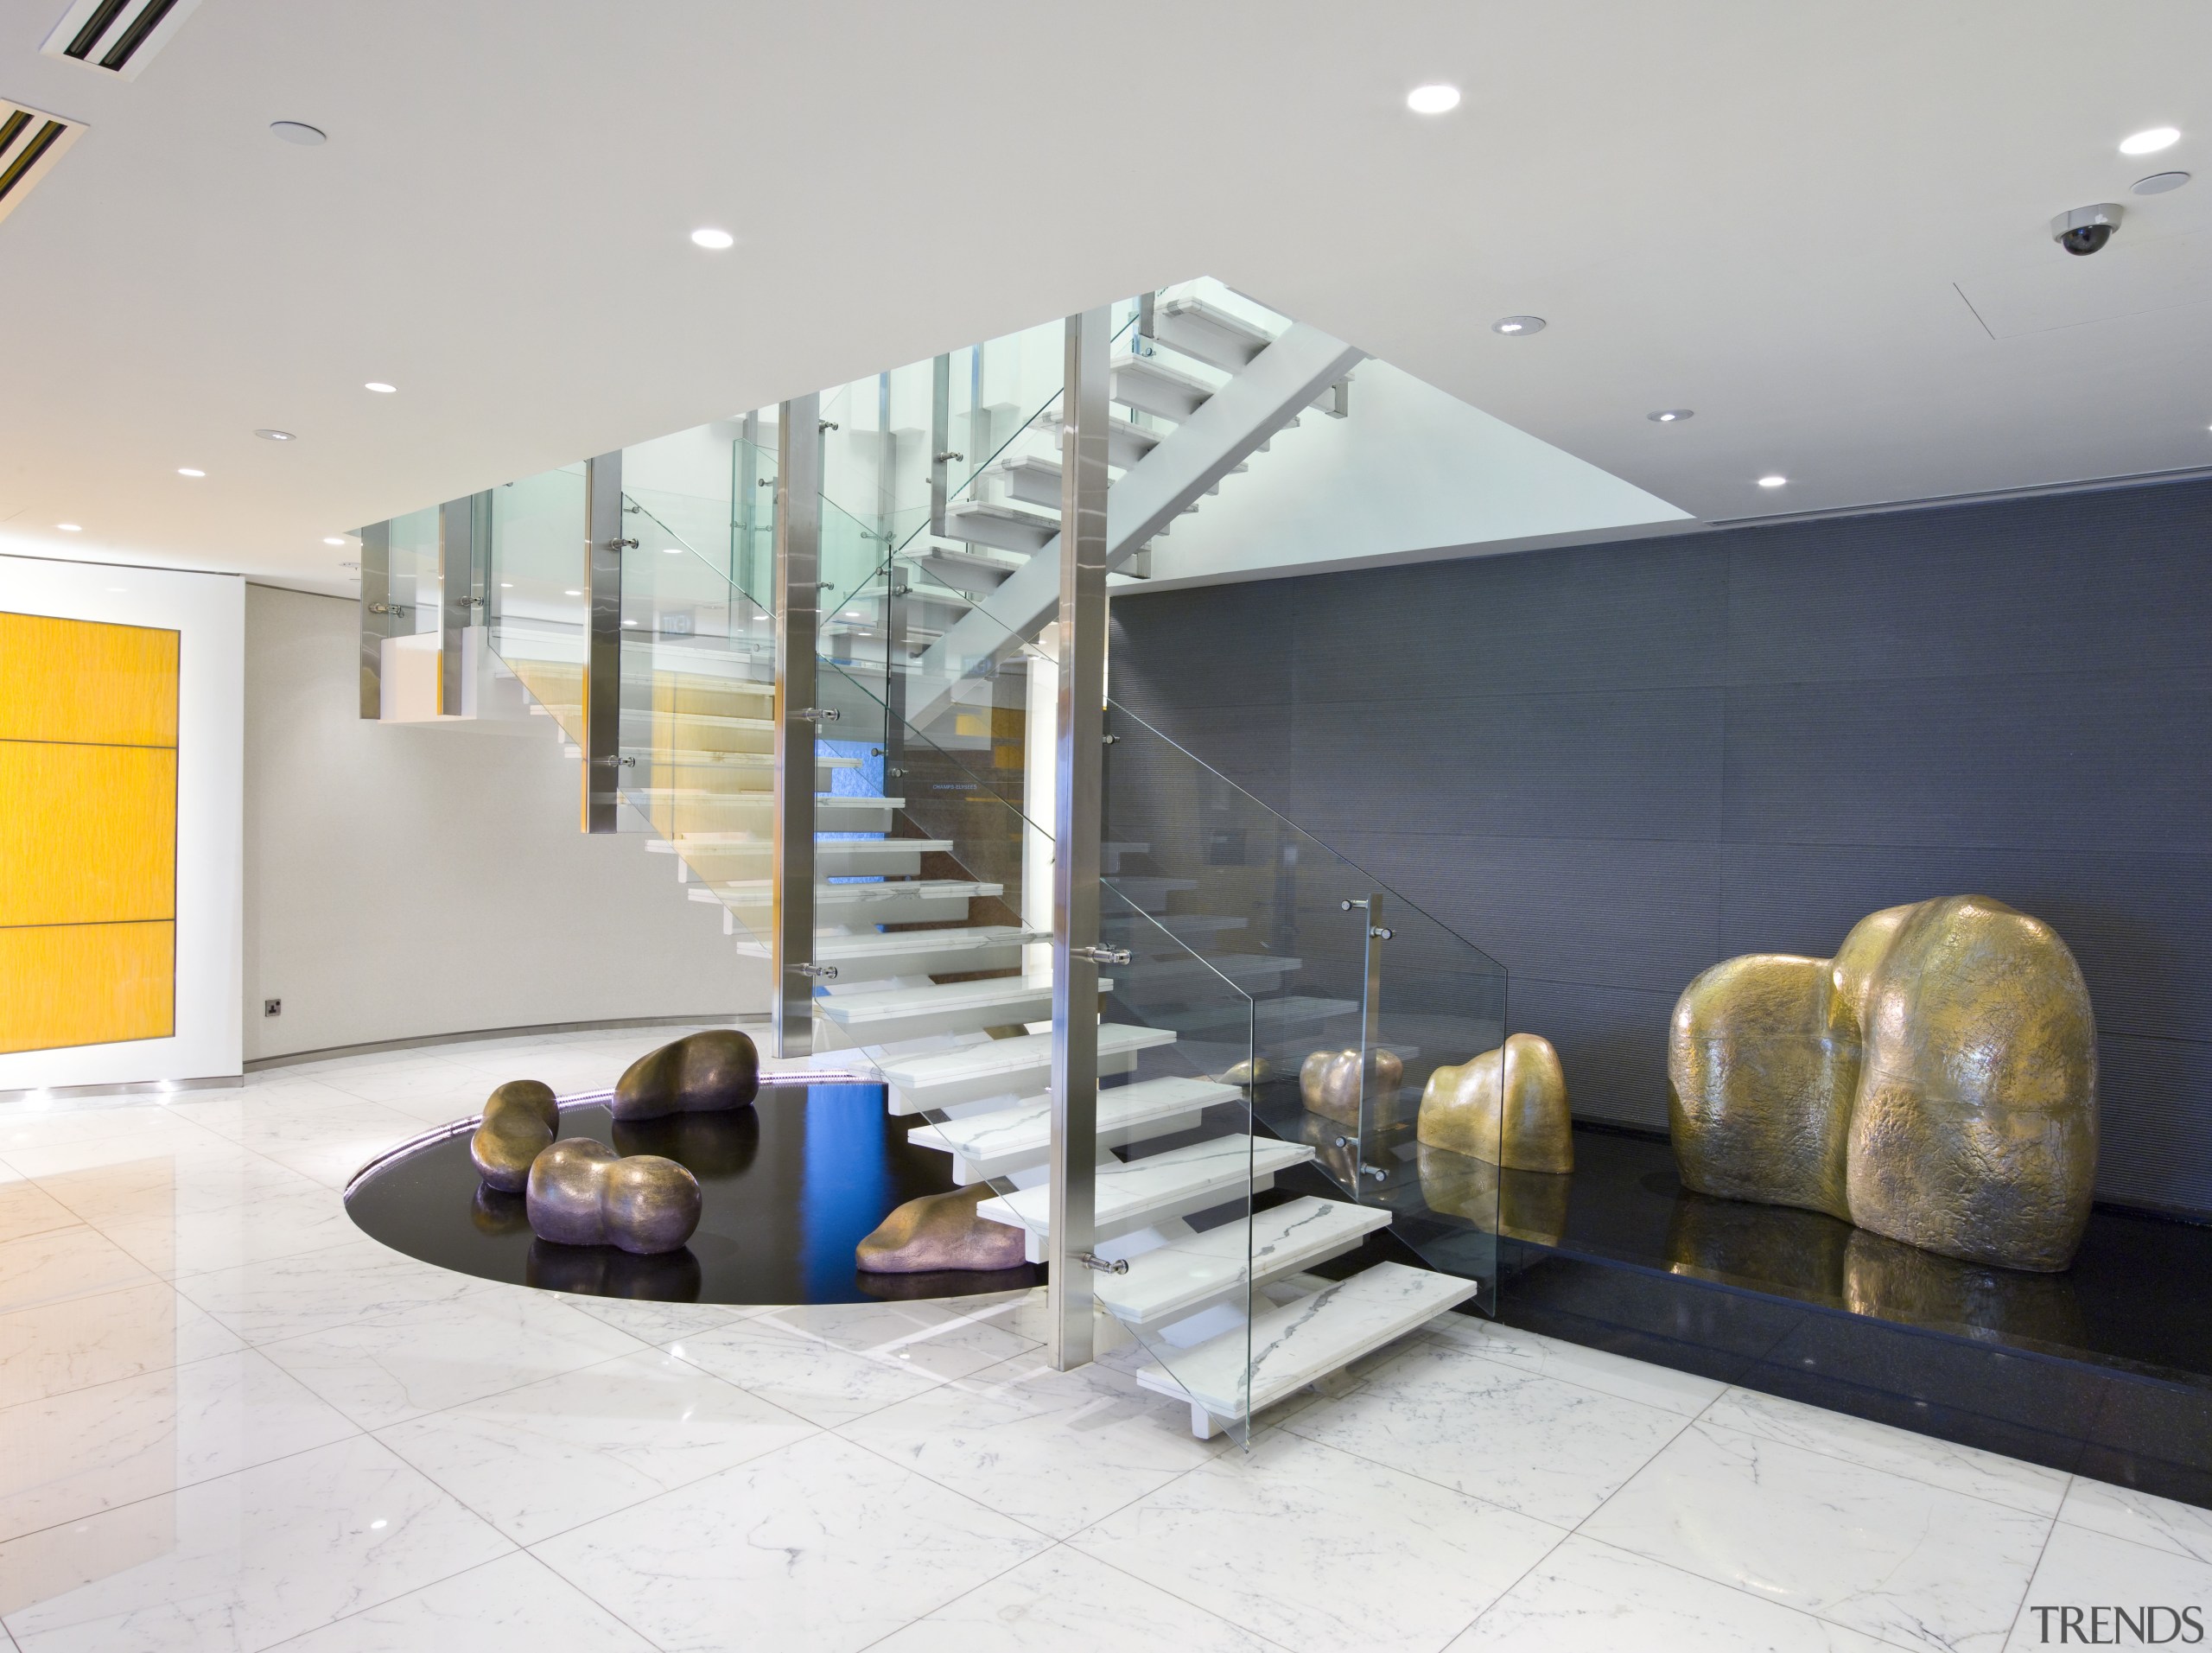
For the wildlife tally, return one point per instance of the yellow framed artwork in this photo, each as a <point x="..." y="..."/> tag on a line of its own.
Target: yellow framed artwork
<point x="88" y="823"/>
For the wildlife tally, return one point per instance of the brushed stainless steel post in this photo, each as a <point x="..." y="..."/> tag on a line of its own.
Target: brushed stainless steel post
<point x="376" y="617"/>
<point x="1076" y="804"/>
<point x="940" y="439"/>
<point x="603" y="548"/>
<point x="798" y="618"/>
<point x="457" y="598"/>
<point x="1374" y="1126"/>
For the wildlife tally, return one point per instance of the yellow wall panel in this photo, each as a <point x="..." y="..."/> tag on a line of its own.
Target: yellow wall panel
<point x="81" y="680"/>
<point x="88" y="833"/>
<point x="87" y="984"/>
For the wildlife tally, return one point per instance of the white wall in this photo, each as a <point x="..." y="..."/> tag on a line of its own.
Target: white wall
<point x="207" y="611"/>
<point x="1411" y="469"/>
<point x="410" y="881"/>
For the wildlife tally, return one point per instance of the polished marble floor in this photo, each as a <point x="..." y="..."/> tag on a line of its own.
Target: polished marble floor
<point x="230" y="1421"/>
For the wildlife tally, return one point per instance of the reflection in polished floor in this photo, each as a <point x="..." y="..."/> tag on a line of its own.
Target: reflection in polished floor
<point x="230" y="1419"/>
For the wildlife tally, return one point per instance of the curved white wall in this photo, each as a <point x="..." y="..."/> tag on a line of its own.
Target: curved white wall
<point x="404" y="881"/>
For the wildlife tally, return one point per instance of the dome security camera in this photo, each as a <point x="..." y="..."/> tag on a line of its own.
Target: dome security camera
<point x="2086" y="229"/>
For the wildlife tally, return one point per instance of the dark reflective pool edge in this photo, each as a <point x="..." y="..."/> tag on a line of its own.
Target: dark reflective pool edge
<point x="790" y="1184"/>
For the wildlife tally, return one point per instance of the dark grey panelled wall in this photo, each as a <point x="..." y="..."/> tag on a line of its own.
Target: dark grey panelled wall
<point x="1612" y="766"/>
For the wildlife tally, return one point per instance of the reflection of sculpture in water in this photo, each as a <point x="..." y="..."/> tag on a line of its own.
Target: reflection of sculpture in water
<point x="1935" y="1081"/>
<point x="601" y="1271"/>
<point x="1527" y="1206"/>
<point x="940" y="1233"/>
<point x="494" y="1211"/>
<point x="709" y="1146"/>
<point x="582" y="1192"/>
<point x="1817" y="1258"/>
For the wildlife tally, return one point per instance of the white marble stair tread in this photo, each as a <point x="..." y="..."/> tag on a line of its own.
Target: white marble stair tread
<point x="853" y="898"/>
<point x="881" y="1015"/>
<point x="1135" y="1193"/>
<point x="1001" y="1066"/>
<point x="1142" y="890"/>
<point x="1291" y="1346"/>
<point x="1184" y="1276"/>
<point x="832" y="813"/>
<point x="917" y="953"/>
<point x="989" y="1145"/>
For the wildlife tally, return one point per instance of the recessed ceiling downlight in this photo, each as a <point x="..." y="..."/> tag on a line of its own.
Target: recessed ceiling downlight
<point x="1432" y="99"/>
<point x="2158" y="183"/>
<point x="1515" y="327"/>
<point x="187" y="470"/>
<point x="334" y="539"/>
<point x="1774" y="481"/>
<point x="380" y="387"/>
<point x="71" y="527"/>
<point x="299" y="132"/>
<point x="714" y="240"/>
<point x="2150" y="140"/>
<point x="275" y="436"/>
<point x="1671" y="416"/>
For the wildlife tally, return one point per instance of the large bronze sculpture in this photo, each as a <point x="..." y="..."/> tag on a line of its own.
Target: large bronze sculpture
<point x="1328" y="1083"/>
<point x="1506" y="1107"/>
<point x="1935" y="1081"/>
<point x="940" y="1232"/>
<point x="520" y="1122"/>
<point x="699" y="1073"/>
<point x="582" y="1192"/>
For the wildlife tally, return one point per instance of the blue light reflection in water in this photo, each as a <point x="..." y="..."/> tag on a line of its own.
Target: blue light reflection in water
<point x="847" y="1188"/>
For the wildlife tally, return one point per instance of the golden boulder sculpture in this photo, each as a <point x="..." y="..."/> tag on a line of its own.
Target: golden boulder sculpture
<point x="582" y="1192"/>
<point x="1935" y="1082"/>
<point x="1506" y="1107"/>
<point x="520" y="1122"/>
<point x="703" y="1073"/>
<point x="1328" y="1083"/>
<point x="941" y="1231"/>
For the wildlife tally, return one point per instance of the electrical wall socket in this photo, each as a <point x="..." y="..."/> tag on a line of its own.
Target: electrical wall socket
<point x="272" y="1006"/>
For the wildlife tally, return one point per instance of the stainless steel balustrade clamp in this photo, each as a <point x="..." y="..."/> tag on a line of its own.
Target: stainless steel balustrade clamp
<point x="1099" y="1265"/>
<point x="826" y="424"/>
<point x="621" y="544"/>
<point x="819" y="972"/>
<point x="1350" y="905"/>
<point x="1110" y="739"/>
<point x="1102" y="955"/>
<point x="1379" y="933"/>
<point x="945" y="458"/>
<point x="817" y="715"/>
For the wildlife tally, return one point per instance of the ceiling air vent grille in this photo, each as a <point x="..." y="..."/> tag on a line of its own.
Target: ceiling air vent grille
<point x="120" y="36"/>
<point x="30" y="143"/>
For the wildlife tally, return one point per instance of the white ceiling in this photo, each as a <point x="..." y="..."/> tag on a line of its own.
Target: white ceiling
<point x="1767" y="212"/>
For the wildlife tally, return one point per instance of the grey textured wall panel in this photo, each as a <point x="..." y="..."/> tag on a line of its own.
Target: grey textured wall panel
<point x="1612" y="766"/>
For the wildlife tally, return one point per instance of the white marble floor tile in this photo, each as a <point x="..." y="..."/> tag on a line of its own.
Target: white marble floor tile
<point x="241" y="1562"/>
<point x="73" y="1345"/>
<point x="1897" y="1559"/>
<point x="413" y="1080"/>
<point x="2139" y="1518"/>
<point x="819" y="1545"/>
<point x="309" y="1217"/>
<point x="1570" y="1363"/>
<point x="27" y="1209"/>
<point x="2084" y="1570"/>
<point x="554" y="1454"/>
<point x="1546" y="1449"/>
<point x="1585" y="1597"/>
<point x="662" y="1323"/>
<point x="182" y="1149"/>
<point x="1055" y="1450"/>
<point x="25" y="1130"/>
<point x="397" y="1366"/>
<point x="62" y="1263"/>
<point x="1064" y="1601"/>
<point x="341" y="1285"/>
<point x="514" y="1604"/>
<point x="74" y="1454"/>
<point x="832" y="1363"/>
<point x="1321" y="1551"/>
<point x="1877" y="1445"/>
<point x="138" y="1191"/>
<point x="272" y="1127"/>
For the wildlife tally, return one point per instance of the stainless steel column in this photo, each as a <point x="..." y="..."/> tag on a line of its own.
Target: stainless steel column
<point x="459" y="596"/>
<point x="798" y="617"/>
<point x="1077" y="803"/>
<point x="376" y="613"/>
<point x="604" y="545"/>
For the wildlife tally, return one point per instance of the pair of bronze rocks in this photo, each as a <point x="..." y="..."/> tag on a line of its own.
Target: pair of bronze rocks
<point x="579" y="1191"/>
<point x="1935" y="1082"/>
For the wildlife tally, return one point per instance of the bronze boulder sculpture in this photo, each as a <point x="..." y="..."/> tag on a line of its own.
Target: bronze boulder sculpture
<point x="520" y="1122"/>
<point x="1506" y="1107"/>
<point x="1328" y="1083"/>
<point x="1935" y="1081"/>
<point x="940" y="1232"/>
<point x="582" y="1192"/>
<point x="703" y="1073"/>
